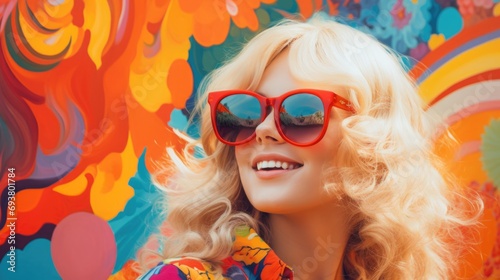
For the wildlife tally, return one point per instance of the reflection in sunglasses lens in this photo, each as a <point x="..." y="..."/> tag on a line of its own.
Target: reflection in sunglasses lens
<point x="302" y="117"/>
<point x="237" y="117"/>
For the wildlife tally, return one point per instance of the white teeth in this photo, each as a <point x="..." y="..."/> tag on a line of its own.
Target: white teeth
<point x="276" y="164"/>
<point x="284" y="165"/>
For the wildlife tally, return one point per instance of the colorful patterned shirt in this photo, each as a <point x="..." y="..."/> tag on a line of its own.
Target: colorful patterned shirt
<point x="252" y="259"/>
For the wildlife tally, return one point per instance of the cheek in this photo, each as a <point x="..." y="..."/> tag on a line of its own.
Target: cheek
<point x="243" y="158"/>
<point x="323" y="154"/>
<point x="241" y="154"/>
<point x="320" y="159"/>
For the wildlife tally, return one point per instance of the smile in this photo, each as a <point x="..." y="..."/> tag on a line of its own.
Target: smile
<point x="276" y="165"/>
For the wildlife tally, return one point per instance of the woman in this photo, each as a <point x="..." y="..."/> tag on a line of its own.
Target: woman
<point x="317" y="146"/>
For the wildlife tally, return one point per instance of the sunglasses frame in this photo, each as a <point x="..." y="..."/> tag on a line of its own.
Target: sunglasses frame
<point x="328" y="98"/>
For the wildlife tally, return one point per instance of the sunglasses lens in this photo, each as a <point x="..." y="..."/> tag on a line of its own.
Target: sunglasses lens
<point x="302" y="117"/>
<point x="237" y="116"/>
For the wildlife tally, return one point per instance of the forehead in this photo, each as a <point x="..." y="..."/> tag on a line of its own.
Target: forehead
<point x="278" y="79"/>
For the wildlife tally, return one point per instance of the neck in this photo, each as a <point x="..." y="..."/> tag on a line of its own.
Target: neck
<point x="311" y="242"/>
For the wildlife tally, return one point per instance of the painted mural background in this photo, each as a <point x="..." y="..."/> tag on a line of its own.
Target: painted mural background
<point x="91" y="90"/>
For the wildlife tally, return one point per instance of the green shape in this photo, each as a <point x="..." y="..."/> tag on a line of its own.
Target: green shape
<point x="263" y="16"/>
<point x="490" y="151"/>
<point x="242" y="230"/>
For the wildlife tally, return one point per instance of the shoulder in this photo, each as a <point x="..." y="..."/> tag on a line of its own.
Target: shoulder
<point x="181" y="269"/>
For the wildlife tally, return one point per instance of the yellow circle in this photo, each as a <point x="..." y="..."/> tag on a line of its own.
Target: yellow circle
<point x="496" y="10"/>
<point x="435" y="41"/>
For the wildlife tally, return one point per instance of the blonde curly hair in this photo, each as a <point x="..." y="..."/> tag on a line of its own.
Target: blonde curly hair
<point x="405" y="210"/>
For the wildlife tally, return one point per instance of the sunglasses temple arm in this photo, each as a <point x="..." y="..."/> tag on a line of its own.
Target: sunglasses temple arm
<point x="344" y="104"/>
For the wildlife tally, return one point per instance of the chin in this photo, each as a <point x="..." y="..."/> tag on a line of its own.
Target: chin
<point x="274" y="207"/>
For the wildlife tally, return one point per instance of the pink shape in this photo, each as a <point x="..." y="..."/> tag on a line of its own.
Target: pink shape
<point x="232" y="8"/>
<point x="471" y="110"/>
<point x="400" y="17"/>
<point x="467" y="149"/>
<point x="83" y="247"/>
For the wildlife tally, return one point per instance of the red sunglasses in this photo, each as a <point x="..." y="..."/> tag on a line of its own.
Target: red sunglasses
<point x="299" y="114"/>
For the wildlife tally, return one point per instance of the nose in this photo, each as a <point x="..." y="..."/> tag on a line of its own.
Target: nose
<point x="267" y="132"/>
